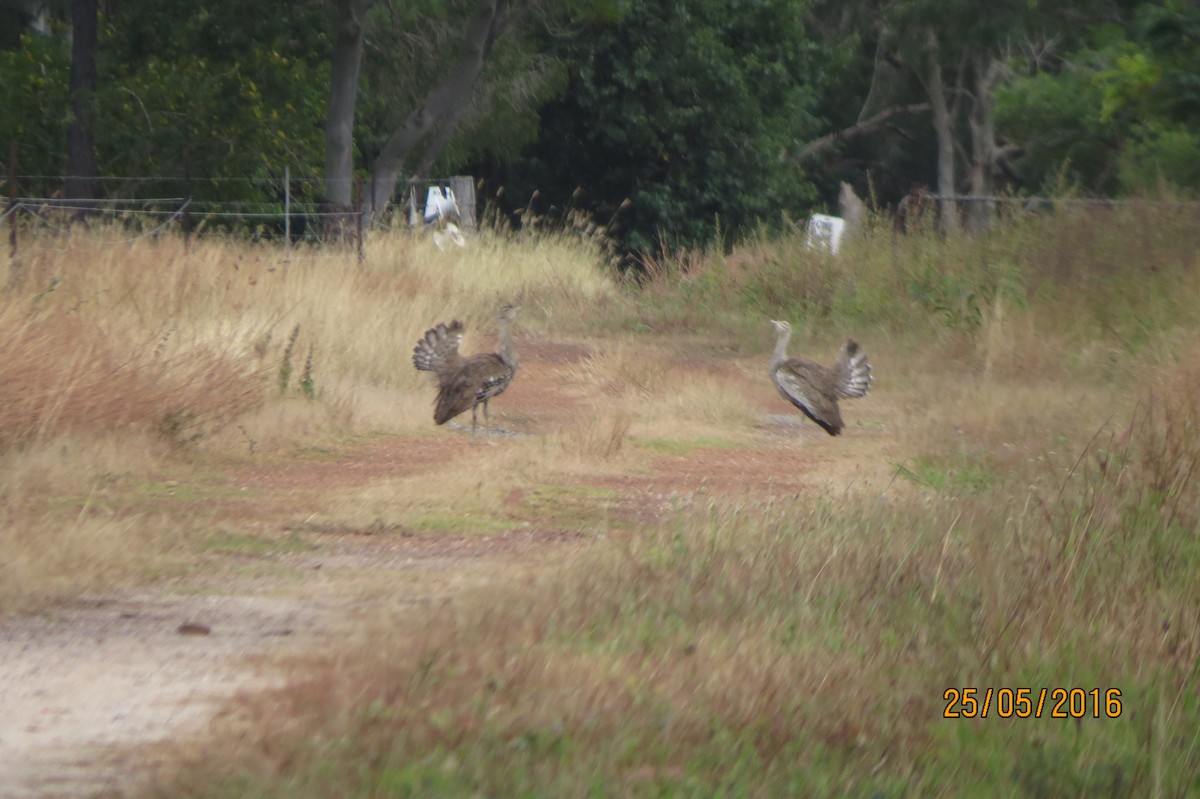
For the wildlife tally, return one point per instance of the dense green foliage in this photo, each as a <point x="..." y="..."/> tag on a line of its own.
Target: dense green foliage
<point x="676" y="123"/>
<point x="216" y="94"/>
<point x="686" y="111"/>
<point x="1120" y="113"/>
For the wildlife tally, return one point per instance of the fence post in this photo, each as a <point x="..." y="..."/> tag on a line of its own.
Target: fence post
<point x="287" y="206"/>
<point x="358" y="217"/>
<point x="187" y="204"/>
<point x="371" y="189"/>
<point x="12" y="198"/>
<point x="463" y="187"/>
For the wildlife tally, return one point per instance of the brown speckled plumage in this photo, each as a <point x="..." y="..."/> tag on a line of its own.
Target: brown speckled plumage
<point x="815" y="389"/>
<point x="466" y="383"/>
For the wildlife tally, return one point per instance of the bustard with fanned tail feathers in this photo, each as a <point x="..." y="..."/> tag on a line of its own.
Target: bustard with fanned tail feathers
<point x="816" y="389"/>
<point x="466" y="383"/>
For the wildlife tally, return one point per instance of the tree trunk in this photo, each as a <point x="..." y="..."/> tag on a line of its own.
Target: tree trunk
<point x="442" y="108"/>
<point x="943" y="126"/>
<point x="343" y="94"/>
<point x="80" y="180"/>
<point x="983" y="141"/>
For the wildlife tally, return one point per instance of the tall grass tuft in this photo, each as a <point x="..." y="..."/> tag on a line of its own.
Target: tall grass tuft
<point x="285" y="362"/>
<point x="61" y="375"/>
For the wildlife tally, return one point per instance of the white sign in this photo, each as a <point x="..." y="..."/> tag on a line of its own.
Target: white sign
<point x="825" y="233"/>
<point x="440" y="203"/>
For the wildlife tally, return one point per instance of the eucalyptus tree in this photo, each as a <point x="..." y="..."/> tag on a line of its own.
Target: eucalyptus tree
<point x="958" y="53"/>
<point x="410" y="81"/>
<point x="79" y="182"/>
<point x="350" y="20"/>
<point x="215" y="90"/>
<point x="950" y="58"/>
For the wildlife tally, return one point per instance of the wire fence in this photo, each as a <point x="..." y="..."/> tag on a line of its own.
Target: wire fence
<point x="291" y="219"/>
<point x="296" y="217"/>
<point x="978" y="212"/>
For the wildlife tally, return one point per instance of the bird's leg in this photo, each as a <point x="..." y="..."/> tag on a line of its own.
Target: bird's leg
<point x="473" y="421"/>
<point x="487" y="419"/>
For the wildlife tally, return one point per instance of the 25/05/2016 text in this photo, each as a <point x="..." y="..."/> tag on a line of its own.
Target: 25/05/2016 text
<point x="1024" y="703"/>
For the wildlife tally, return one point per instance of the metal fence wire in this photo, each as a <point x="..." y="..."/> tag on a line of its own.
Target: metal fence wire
<point x="292" y="218"/>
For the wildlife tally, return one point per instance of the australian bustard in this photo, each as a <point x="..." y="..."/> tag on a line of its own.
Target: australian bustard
<point x="815" y="389"/>
<point x="467" y="382"/>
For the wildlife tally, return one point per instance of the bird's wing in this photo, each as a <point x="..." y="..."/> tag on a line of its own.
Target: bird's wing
<point x="478" y="378"/>
<point x="809" y="387"/>
<point x="852" y="373"/>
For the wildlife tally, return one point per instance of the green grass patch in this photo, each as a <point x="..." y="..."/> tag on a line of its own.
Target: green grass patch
<point x="245" y="544"/>
<point x="465" y="523"/>
<point x="184" y="491"/>
<point x="679" y="446"/>
<point x="951" y="475"/>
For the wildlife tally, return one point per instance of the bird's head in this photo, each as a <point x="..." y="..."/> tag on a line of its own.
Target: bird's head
<point x="508" y="312"/>
<point x="781" y="327"/>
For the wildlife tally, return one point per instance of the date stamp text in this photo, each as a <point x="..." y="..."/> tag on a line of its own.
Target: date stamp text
<point x="1024" y="703"/>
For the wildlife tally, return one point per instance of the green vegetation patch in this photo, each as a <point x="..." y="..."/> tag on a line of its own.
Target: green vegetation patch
<point x="465" y="523"/>
<point x="186" y="491"/>
<point x="952" y="475"/>
<point x="680" y="446"/>
<point x="246" y="544"/>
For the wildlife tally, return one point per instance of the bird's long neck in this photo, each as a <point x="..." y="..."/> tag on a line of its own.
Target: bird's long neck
<point x="780" y="348"/>
<point x="506" y="351"/>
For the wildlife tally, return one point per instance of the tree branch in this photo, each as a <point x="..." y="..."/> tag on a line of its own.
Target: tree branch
<point x="862" y="128"/>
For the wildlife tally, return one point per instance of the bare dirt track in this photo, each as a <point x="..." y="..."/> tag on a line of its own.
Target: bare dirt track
<point x="99" y="695"/>
<point x="102" y="694"/>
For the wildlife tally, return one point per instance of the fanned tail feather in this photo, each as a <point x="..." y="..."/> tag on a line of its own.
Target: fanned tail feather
<point x="438" y="347"/>
<point x="853" y="371"/>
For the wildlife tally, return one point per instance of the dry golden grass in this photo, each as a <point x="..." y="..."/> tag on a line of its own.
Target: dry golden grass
<point x="62" y="374"/>
<point x="236" y="348"/>
<point x="624" y="368"/>
<point x="361" y="320"/>
<point x="1039" y="528"/>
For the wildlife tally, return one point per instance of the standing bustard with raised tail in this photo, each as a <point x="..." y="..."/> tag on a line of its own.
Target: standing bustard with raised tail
<point x="815" y="389"/>
<point x="467" y="382"/>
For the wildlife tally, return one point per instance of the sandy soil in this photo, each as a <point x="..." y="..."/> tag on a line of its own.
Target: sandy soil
<point x="100" y="695"/>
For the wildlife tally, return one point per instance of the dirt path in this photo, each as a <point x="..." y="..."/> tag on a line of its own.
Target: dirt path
<point x="99" y="695"/>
